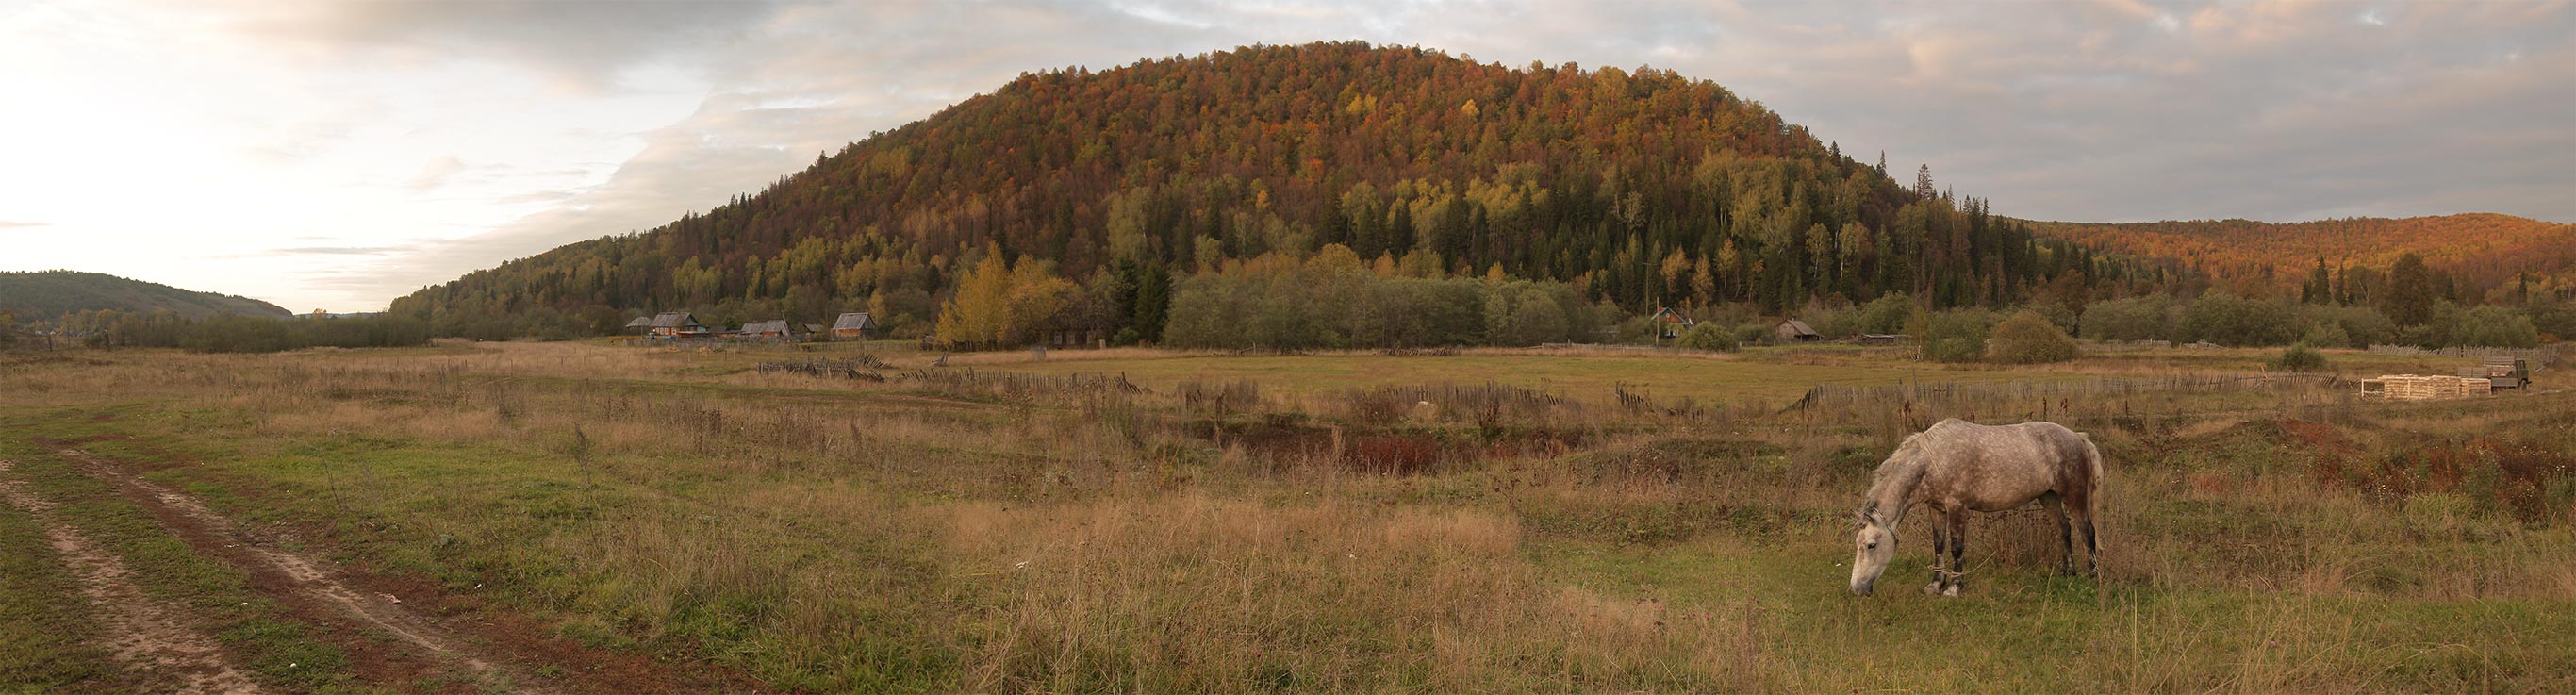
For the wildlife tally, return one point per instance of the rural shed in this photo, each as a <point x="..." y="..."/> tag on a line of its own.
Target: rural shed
<point x="640" y="324"/>
<point x="778" y="328"/>
<point x="678" y="324"/>
<point x="1794" y="331"/>
<point x="855" y="325"/>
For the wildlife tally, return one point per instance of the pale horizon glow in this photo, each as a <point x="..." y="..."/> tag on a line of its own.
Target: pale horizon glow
<point x="336" y="155"/>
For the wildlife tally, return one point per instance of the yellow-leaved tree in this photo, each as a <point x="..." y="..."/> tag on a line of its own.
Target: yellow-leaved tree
<point x="1000" y="304"/>
<point x="980" y="311"/>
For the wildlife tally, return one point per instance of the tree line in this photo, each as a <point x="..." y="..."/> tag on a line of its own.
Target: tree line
<point x="237" y="333"/>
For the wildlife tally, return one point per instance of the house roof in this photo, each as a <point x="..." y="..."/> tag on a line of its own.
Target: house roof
<point x="771" y="326"/>
<point x="856" y="320"/>
<point x="675" y="319"/>
<point x="1798" y="327"/>
<point x="640" y="322"/>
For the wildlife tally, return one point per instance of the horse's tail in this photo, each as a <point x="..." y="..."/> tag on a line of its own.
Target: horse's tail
<point x="2092" y="489"/>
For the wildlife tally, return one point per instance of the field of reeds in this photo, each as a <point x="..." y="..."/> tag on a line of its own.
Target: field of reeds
<point x="875" y="519"/>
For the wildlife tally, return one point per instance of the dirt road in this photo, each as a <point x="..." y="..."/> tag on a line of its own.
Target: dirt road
<point x="150" y="637"/>
<point x="304" y="579"/>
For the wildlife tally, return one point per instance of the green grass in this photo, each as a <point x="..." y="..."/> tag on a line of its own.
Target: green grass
<point x="272" y="645"/>
<point x="2021" y="629"/>
<point x="46" y="643"/>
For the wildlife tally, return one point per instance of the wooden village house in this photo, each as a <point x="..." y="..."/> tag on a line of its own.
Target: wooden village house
<point x="1669" y="324"/>
<point x="678" y="324"/>
<point x="855" y="325"/>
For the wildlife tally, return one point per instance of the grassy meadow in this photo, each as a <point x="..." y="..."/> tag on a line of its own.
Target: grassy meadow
<point x="1487" y="520"/>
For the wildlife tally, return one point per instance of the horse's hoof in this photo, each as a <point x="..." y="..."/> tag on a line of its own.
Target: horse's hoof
<point x="1932" y="589"/>
<point x="1952" y="592"/>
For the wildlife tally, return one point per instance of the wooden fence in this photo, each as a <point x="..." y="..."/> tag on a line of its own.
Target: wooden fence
<point x="1911" y="406"/>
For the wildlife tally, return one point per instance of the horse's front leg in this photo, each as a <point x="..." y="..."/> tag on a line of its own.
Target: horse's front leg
<point x="1958" y="522"/>
<point x="1940" y="554"/>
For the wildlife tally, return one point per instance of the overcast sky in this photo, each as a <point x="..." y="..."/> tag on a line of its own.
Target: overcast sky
<point x="339" y="154"/>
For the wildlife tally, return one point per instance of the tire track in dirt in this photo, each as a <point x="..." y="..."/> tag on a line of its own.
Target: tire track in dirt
<point x="152" y="637"/>
<point x="307" y="577"/>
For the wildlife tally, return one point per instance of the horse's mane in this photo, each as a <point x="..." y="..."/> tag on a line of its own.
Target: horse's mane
<point x="1904" y="453"/>
<point x="1902" y="468"/>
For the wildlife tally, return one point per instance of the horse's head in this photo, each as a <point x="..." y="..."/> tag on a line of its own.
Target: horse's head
<point x="1872" y="547"/>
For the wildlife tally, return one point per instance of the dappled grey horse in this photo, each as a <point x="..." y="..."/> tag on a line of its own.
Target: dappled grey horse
<point x="1957" y="466"/>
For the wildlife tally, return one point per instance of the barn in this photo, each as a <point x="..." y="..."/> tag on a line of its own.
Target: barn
<point x="1794" y="331"/>
<point x="854" y="326"/>
<point x="775" y="330"/>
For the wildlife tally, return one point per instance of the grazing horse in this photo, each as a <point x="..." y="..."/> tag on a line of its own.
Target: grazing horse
<point x="1958" y="466"/>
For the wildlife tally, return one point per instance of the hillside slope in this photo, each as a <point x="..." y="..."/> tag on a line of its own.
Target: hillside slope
<point x="1644" y="188"/>
<point x="2481" y="251"/>
<point x="53" y="293"/>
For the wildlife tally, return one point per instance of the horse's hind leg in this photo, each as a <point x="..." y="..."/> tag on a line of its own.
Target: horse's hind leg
<point x="2065" y="530"/>
<point x="1958" y="550"/>
<point x="2092" y="543"/>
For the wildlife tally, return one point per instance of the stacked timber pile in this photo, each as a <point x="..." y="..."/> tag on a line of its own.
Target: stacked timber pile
<point x="2413" y="387"/>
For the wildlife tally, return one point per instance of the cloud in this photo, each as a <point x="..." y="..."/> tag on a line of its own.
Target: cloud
<point x="341" y="250"/>
<point x="436" y="172"/>
<point x="587" y="44"/>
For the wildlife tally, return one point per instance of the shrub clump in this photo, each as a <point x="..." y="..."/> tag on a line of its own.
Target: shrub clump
<point x="1708" y="335"/>
<point x="2300" y="358"/>
<point x="2029" y="338"/>
<point x="1955" y="336"/>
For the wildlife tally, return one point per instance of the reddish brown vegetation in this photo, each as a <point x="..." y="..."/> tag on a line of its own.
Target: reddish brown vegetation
<point x="2483" y="250"/>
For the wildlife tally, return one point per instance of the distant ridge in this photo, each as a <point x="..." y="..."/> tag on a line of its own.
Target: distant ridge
<point x="52" y="293"/>
<point x="2484" y="249"/>
<point x="1642" y="187"/>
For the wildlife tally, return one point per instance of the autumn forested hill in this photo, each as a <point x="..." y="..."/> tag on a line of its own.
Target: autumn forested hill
<point x="49" y="294"/>
<point x="1641" y="188"/>
<point x="2481" y="251"/>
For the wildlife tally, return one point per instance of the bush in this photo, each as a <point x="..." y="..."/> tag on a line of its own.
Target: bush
<point x="2327" y="335"/>
<point x="2237" y="322"/>
<point x="1955" y="336"/>
<point x="2135" y="318"/>
<point x="2361" y="326"/>
<point x="2300" y="358"/>
<point x="1886" y="314"/>
<point x="2494" y="326"/>
<point x="1752" y="332"/>
<point x="2029" y="338"/>
<point x="1707" y="335"/>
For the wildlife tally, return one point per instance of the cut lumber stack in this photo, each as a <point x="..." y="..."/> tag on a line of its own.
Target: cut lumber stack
<point x="2413" y="387"/>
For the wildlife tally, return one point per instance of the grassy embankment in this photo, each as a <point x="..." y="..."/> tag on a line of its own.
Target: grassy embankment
<point x="826" y="534"/>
